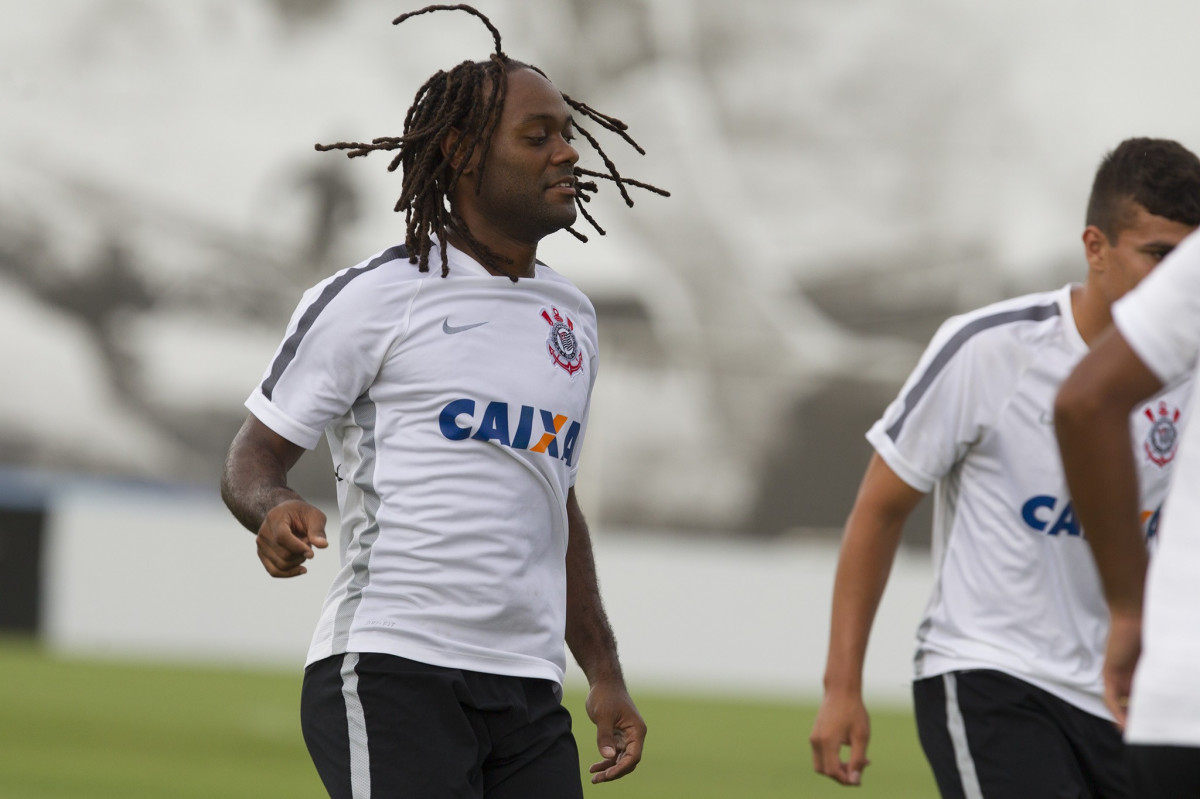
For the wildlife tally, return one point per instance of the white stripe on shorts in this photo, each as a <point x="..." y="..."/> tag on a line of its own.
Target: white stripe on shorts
<point x="356" y="725"/>
<point x="958" y="739"/>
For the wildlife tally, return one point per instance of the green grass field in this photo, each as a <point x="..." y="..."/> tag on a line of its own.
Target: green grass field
<point x="76" y="729"/>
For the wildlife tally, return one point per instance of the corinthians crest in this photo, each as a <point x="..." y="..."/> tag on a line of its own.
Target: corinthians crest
<point x="562" y="344"/>
<point x="1164" y="434"/>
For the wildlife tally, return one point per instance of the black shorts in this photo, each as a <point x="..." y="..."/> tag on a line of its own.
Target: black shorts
<point x="989" y="735"/>
<point x="1165" y="772"/>
<point x="379" y="726"/>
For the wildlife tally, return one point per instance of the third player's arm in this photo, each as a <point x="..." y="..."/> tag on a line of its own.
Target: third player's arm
<point x="1091" y="420"/>
<point x="868" y="550"/>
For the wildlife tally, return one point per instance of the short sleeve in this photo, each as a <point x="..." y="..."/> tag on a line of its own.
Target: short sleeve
<point x="1160" y="318"/>
<point x="335" y="344"/>
<point x="954" y="395"/>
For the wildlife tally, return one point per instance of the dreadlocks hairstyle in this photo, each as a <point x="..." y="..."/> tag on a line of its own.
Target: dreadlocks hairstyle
<point x="455" y="99"/>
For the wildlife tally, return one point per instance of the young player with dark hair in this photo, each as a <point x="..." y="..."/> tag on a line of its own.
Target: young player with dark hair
<point x="455" y="405"/>
<point x="1007" y="684"/>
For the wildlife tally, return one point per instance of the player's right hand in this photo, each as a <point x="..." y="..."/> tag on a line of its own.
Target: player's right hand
<point x="841" y="721"/>
<point x="287" y="536"/>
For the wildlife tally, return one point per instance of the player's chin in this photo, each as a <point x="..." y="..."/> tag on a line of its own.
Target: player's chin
<point x="556" y="219"/>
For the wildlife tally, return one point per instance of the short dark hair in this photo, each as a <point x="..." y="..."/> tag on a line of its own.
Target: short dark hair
<point x="470" y="98"/>
<point x="1160" y="175"/>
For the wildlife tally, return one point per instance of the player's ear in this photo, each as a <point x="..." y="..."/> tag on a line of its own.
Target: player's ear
<point x="452" y="147"/>
<point x="1095" y="247"/>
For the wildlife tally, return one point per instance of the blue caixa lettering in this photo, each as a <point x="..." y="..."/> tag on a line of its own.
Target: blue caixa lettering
<point x="1043" y="514"/>
<point x="494" y="425"/>
<point x="1040" y="510"/>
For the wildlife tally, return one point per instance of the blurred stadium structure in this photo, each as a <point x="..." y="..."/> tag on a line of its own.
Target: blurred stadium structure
<point x="845" y="175"/>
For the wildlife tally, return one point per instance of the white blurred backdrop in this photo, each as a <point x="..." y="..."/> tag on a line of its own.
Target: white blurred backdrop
<point x="845" y="174"/>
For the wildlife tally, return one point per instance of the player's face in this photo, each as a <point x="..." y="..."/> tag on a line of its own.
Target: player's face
<point x="528" y="185"/>
<point x="1139" y="247"/>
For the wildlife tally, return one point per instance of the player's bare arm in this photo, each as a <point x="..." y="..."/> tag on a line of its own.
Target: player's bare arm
<point x="1091" y="420"/>
<point x="620" y="729"/>
<point x="254" y="487"/>
<point x="869" y="545"/>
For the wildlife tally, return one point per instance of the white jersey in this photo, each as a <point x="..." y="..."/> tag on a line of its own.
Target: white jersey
<point x="1016" y="588"/>
<point x="455" y="409"/>
<point x="1161" y="322"/>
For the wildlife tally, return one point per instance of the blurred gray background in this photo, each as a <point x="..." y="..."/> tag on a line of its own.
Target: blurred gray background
<point x="845" y="174"/>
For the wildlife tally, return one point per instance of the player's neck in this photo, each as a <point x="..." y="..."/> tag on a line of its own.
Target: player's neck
<point x="513" y="258"/>
<point x="1091" y="310"/>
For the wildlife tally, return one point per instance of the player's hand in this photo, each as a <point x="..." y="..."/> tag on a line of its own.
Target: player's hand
<point x="841" y="721"/>
<point x="1120" y="659"/>
<point x="287" y="537"/>
<point x="620" y="730"/>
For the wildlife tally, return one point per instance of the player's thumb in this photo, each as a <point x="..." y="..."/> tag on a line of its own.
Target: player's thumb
<point x="314" y="525"/>
<point x="606" y="742"/>
<point x="858" y="757"/>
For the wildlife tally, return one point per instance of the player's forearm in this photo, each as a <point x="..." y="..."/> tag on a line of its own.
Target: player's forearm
<point x="250" y="488"/>
<point x="864" y="563"/>
<point x="254" y="479"/>
<point x="592" y="643"/>
<point x="250" y="504"/>
<point x="588" y="633"/>
<point x="1093" y="439"/>
<point x="1091" y="420"/>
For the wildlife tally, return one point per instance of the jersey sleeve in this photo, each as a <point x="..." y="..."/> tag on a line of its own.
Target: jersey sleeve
<point x="1160" y="318"/>
<point x="335" y="344"/>
<point x="948" y="402"/>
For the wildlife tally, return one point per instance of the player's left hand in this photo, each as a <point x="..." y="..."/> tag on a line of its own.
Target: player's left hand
<point x="620" y="730"/>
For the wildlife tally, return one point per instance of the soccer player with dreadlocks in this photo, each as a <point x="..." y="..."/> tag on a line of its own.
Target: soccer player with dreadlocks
<point x="455" y="403"/>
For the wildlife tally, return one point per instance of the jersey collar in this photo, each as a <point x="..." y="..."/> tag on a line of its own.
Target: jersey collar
<point x="1070" y="328"/>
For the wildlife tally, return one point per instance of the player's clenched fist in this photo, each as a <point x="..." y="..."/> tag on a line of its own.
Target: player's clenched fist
<point x="287" y="537"/>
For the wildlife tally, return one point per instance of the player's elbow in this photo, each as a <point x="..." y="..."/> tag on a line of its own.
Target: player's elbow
<point x="228" y="485"/>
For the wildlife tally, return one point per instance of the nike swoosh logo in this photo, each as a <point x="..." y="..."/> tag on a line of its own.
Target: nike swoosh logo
<point x="452" y="329"/>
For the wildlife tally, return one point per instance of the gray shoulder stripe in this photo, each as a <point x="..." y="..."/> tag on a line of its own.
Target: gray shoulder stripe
<point x="287" y="353"/>
<point x="1034" y="313"/>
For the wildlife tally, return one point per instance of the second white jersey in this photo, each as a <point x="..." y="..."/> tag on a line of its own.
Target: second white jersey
<point x="1016" y="587"/>
<point x="1161" y="322"/>
<point x="455" y="409"/>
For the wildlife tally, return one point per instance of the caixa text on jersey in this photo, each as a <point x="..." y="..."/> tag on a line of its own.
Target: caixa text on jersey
<point x="535" y="429"/>
<point x="1043" y="514"/>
